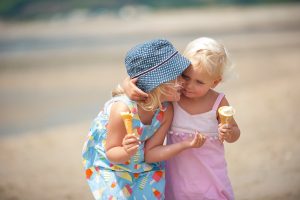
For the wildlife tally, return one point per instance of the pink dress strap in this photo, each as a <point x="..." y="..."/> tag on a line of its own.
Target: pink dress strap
<point x="218" y="101"/>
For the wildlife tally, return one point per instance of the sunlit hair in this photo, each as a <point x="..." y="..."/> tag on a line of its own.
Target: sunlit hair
<point x="208" y="54"/>
<point x="154" y="96"/>
<point x="117" y="91"/>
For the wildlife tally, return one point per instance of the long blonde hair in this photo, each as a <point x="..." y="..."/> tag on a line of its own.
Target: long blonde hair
<point x="154" y="96"/>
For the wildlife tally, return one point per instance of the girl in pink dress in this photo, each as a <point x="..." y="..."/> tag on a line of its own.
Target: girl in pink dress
<point x="200" y="173"/>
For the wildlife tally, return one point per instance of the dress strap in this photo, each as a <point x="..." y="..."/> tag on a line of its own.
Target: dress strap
<point x="218" y="101"/>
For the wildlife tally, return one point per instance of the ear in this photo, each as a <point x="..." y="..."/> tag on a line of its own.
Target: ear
<point x="216" y="82"/>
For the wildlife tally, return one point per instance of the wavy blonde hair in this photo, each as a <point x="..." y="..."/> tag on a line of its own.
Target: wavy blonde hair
<point x="153" y="101"/>
<point x="208" y="54"/>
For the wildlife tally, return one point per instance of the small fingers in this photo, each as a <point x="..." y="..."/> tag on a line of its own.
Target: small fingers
<point x="132" y="148"/>
<point x="202" y="140"/>
<point x="142" y="93"/>
<point x="131" y="136"/>
<point x="227" y="135"/>
<point x="199" y="139"/>
<point x="133" y="81"/>
<point x="221" y="137"/>
<point x="139" y="97"/>
<point x="225" y="126"/>
<point x="221" y="140"/>
<point x="130" y="139"/>
<point x="139" y="94"/>
<point x="136" y="97"/>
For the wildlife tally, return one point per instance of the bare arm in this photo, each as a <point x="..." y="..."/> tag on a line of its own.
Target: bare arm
<point x="228" y="132"/>
<point x="132" y="91"/>
<point x="119" y="145"/>
<point x="155" y="151"/>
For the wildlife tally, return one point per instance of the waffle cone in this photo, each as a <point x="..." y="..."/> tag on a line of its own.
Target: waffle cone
<point x="127" y="119"/>
<point x="226" y="117"/>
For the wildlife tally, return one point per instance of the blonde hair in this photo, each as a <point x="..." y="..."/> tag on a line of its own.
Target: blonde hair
<point x="153" y="101"/>
<point x="208" y="54"/>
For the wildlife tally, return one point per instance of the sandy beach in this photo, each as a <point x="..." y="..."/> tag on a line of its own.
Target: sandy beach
<point x="55" y="76"/>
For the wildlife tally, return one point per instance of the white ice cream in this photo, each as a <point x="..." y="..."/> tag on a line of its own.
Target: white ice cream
<point x="227" y="110"/>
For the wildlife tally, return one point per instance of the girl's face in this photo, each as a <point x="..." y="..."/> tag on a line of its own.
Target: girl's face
<point x="197" y="82"/>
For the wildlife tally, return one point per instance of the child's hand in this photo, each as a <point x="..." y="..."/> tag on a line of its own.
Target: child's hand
<point x="132" y="91"/>
<point x="225" y="132"/>
<point x="130" y="144"/>
<point x="198" y="140"/>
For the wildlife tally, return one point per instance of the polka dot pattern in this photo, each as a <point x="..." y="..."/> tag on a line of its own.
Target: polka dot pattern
<point x="154" y="62"/>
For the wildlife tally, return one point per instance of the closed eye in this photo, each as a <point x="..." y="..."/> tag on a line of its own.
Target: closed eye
<point x="185" y="77"/>
<point x="200" y="82"/>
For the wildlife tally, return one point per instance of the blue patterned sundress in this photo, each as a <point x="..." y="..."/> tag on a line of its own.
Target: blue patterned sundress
<point x="133" y="180"/>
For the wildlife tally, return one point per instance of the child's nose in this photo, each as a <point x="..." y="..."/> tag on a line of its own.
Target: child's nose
<point x="187" y="84"/>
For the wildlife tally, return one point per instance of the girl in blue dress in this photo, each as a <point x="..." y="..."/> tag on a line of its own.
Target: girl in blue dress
<point x="129" y="166"/>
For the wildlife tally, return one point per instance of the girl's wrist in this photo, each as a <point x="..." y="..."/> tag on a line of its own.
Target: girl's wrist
<point x="186" y="144"/>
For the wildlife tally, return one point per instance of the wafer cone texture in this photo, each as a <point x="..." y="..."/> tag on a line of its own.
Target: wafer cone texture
<point x="127" y="119"/>
<point x="226" y="114"/>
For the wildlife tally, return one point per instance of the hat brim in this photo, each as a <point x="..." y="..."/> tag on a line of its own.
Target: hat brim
<point x="168" y="71"/>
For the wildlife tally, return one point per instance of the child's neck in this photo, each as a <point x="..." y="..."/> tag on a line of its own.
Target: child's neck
<point x="198" y="105"/>
<point x="145" y="116"/>
<point x="198" y="99"/>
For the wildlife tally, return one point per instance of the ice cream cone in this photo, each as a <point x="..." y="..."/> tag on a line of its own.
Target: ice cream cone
<point x="226" y="114"/>
<point x="127" y="118"/>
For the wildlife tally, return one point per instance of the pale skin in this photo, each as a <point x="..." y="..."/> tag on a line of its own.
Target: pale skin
<point x="198" y="97"/>
<point x="120" y="146"/>
<point x="132" y="91"/>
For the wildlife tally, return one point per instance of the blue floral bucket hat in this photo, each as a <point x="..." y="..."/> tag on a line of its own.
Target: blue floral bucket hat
<point x="154" y="62"/>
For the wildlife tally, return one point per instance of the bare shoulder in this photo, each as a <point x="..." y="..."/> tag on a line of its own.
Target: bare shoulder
<point x="224" y="102"/>
<point x="118" y="107"/>
<point x="168" y="114"/>
<point x="170" y="108"/>
<point x="214" y="94"/>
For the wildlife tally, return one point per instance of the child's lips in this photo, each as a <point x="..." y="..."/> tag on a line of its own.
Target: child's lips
<point x="187" y="92"/>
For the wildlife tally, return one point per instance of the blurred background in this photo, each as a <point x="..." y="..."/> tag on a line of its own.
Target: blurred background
<point x="59" y="60"/>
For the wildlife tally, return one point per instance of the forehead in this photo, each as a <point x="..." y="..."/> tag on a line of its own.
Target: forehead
<point x="197" y="73"/>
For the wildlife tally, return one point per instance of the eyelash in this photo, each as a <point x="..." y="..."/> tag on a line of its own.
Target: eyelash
<point x="187" y="78"/>
<point x="184" y="76"/>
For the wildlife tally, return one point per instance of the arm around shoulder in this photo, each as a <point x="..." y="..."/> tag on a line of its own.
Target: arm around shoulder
<point x="132" y="91"/>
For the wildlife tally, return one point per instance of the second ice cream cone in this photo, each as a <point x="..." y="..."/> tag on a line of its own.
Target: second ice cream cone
<point x="127" y="119"/>
<point x="226" y="114"/>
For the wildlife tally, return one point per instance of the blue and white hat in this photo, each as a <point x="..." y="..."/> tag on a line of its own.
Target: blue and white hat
<point x="154" y="62"/>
